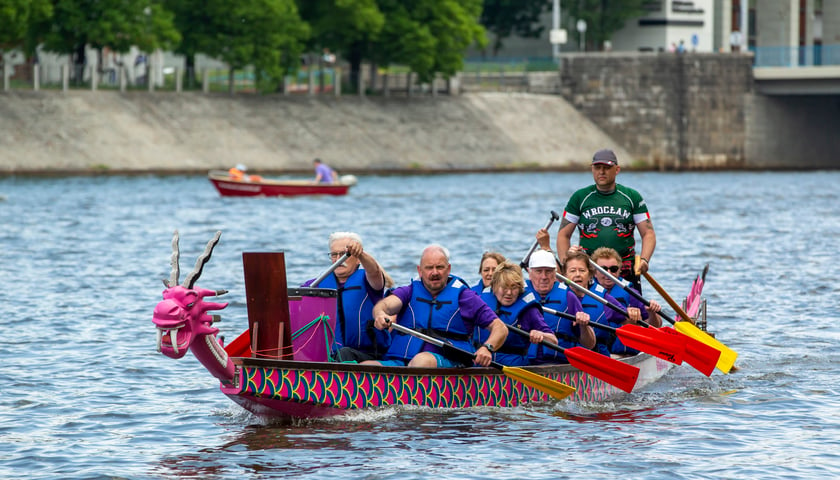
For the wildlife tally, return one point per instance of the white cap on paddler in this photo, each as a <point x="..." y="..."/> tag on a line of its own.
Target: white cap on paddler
<point x="542" y="258"/>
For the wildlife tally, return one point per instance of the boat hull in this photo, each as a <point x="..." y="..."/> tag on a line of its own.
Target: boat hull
<point x="289" y="389"/>
<point x="228" y="187"/>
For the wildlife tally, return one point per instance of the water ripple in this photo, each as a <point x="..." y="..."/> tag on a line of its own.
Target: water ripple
<point x="85" y="395"/>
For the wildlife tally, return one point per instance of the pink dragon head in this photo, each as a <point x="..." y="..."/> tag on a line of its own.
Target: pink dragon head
<point x="182" y="320"/>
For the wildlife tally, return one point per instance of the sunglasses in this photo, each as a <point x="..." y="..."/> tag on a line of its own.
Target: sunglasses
<point x="611" y="269"/>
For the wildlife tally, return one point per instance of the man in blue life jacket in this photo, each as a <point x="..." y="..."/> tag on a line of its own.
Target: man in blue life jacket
<point x="440" y="305"/>
<point x="542" y="281"/>
<point x="360" y="282"/>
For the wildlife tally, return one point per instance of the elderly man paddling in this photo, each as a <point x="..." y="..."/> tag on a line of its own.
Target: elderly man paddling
<point x="542" y="281"/>
<point x="606" y="215"/>
<point x="440" y="305"/>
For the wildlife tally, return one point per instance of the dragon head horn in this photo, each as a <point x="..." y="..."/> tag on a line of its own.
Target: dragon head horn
<point x="189" y="282"/>
<point x="174" y="260"/>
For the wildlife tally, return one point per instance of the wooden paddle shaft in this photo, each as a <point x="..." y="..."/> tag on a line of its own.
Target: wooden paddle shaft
<point x="624" y="284"/>
<point x="667" y="298"/>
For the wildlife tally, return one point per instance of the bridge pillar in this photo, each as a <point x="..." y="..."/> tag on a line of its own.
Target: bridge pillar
<point x="777" y="32"/>
<point x="831" y="33"/>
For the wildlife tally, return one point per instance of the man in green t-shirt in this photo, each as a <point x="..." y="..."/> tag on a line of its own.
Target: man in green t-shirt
<point x="606" y="215"/>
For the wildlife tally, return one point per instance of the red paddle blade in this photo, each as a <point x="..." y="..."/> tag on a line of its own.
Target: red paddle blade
<point x="697" y="354"/>
<point x="654" y="342"/>
<point x="610" y="370"/>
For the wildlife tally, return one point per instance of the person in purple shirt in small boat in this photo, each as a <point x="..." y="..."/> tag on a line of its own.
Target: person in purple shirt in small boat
<point x="439" y="305"/>
<point x="323" y="173"/>
<point x="517" y="307"/>
<point x="489" y="262"/>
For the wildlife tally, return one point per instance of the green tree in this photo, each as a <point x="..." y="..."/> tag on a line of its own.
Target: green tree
<point x="17" y="19"/>
<point x="117" y="24"/>
<point x="266" y="34"/>
<point x="604" y="17"/>
<point x="504" y="18"/>
<point x="430" y="36"/>
<point x="197" y="28"/>
<point x="346" y="27"/>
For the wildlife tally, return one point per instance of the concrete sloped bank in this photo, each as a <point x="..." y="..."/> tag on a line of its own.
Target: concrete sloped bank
<point x="81" y="131"/>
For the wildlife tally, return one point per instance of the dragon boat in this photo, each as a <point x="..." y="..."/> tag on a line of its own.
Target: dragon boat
<point x="279" y="367"/>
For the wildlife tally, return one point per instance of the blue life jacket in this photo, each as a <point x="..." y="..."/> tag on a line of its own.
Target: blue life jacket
<point x="597" y="313"/>
<point x="626" y="300"/>
<point x="567" y="336"/>
<point x="515" y="344"/>
<point x="437" y="316"/>
<point x="354" y="326"/>
<point x="479" y="287"/>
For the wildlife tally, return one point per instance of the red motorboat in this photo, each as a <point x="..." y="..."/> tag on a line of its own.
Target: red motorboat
<point x="266" y="187"/>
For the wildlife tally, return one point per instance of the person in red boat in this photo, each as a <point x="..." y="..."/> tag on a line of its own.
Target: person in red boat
<point x="239" y="173"/>
<point x="323" y="173"/>
<point x="440" y="305"/>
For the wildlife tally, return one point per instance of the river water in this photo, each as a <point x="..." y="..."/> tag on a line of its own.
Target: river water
<point x="85" y="394"/>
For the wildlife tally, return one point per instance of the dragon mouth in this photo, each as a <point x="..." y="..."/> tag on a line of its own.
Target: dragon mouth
<point x="175" y="340"/>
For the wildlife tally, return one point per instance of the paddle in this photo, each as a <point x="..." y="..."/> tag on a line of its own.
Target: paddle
<point x="641" y="339"/>
<point x="328" y="271"/>
<point x="648" y="340"/>
<point x="727" y="355"/>
<point x="546" y="385"/>
<point x="524" y="262"/>
<point x="600" y="366"/>
<point x="699" y="355"/>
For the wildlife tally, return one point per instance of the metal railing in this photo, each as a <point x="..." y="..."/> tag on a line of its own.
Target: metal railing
<point x="793" y="56"/>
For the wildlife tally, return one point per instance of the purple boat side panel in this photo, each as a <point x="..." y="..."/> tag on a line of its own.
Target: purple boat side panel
<point x="313" y="327"/>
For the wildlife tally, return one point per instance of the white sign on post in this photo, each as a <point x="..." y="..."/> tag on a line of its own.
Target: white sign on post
<point x="557" y="36"/>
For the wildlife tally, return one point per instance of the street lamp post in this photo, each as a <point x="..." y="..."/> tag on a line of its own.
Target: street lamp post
<point x="581" y="28"/>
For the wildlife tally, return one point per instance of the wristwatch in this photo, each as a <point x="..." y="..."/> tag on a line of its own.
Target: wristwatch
<point x="488" y="347"/>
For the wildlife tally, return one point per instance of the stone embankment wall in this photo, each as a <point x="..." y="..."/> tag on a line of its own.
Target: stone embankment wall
<point x="672" y="111"/>
<point x="106" y="131"/>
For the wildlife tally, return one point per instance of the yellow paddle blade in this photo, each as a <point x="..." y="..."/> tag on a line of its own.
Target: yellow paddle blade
<point x="727" y="355"/>
<point x="546" y="385"/>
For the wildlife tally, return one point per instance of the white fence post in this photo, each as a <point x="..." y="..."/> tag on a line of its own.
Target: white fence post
<point x="65" y="77"/>
<point x="311" y="80"/>
<point x="150" y="78"/>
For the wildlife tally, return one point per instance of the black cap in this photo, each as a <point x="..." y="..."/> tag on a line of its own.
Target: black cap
<point x="605" y="157"/>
